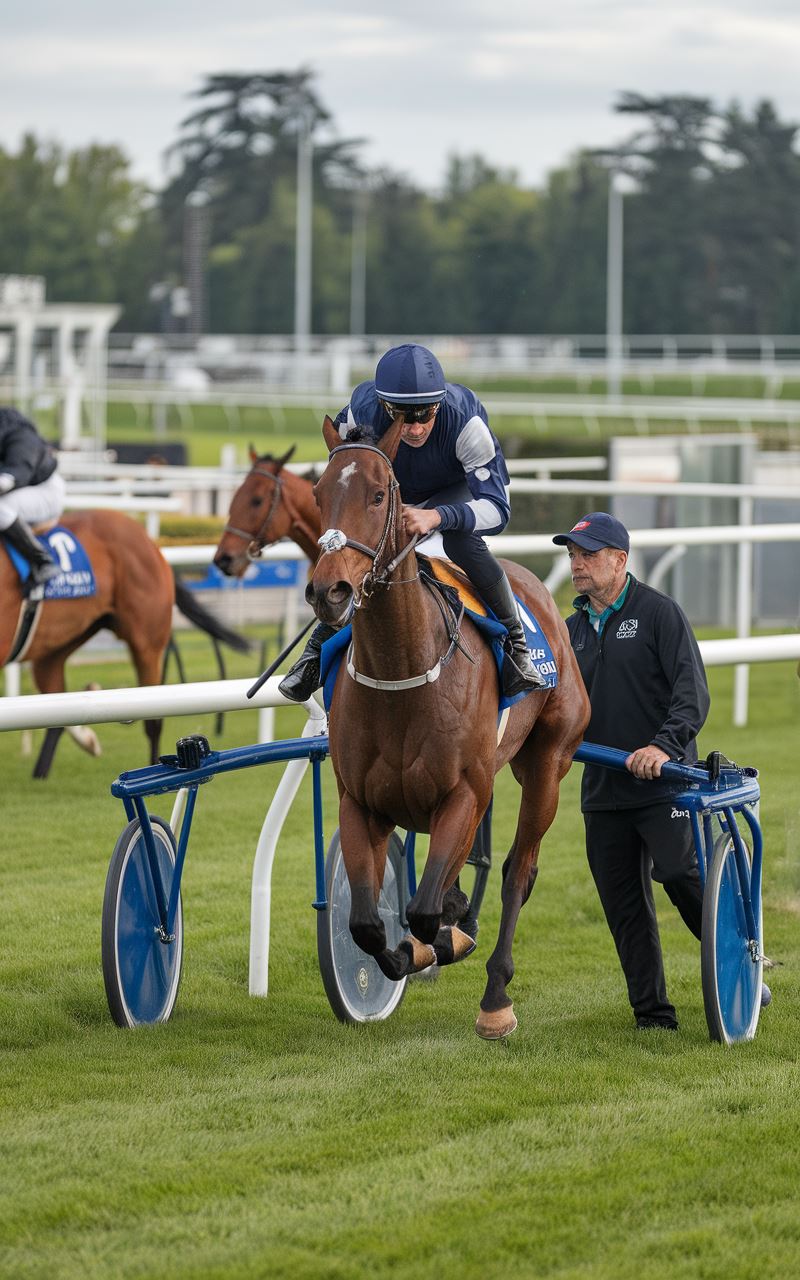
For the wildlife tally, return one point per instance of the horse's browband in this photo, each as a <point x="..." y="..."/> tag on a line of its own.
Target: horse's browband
<point x="360" y="444"/>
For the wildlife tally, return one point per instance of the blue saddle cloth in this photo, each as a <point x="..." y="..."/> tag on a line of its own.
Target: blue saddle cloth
<point x="77" y="576"/>
<point x="493" y="632"/>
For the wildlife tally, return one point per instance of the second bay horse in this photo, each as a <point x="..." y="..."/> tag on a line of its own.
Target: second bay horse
<point x="134" y="597"/>
<point x="414" y="722"/>
<point x="271" y="503"/>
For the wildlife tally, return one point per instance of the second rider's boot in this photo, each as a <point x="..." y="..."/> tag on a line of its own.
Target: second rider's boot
<point x="519" y="673"/>
<point x="23" y="539"/>
<point x="303" y="678"/>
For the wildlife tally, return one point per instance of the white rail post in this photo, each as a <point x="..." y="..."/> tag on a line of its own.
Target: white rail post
<point x="744" y="611"/>
<point x="261" y="888"/>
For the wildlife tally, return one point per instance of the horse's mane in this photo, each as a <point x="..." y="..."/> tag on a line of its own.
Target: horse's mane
<point x="355" y="434"/>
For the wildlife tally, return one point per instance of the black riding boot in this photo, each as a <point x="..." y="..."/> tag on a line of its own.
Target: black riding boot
<point x="22" y="539"/>
<point x="519" y="673"/>
<point x="303" y="678"/>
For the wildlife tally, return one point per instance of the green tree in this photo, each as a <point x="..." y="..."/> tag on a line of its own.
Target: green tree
<point x="68" y="216"/>
<point x="757" y="224"/>
<point x="668" y="223"/>
<point x="240" y="148"/>
<point x="572" y="249"/>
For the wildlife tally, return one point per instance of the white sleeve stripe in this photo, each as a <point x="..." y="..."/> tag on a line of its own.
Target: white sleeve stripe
<point x="487" y="515"/>
<point x="475" y="446"/>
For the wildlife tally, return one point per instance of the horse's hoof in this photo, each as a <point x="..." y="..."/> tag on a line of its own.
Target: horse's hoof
<point x="453" y="944"/>
<point x="422" y="953"/>
<point x="497" y="1025"/>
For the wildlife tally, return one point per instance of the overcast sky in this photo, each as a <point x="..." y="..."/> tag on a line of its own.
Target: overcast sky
<point x="523" y="82"/>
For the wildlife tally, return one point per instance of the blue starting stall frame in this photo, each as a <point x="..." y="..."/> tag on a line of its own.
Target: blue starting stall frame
<point x="142" y="919"/>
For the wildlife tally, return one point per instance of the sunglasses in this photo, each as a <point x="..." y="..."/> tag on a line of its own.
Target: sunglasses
<point x="411" y="412"/>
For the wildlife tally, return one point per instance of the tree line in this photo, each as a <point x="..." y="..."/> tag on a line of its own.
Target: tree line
<point x="712" y="224"/>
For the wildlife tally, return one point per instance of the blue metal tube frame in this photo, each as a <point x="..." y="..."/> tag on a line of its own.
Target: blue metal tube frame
<point x="735" y="790"/>
<point x="321" y="900"/>
<point x="180" y="857"/>
<point x="152" y="858"/>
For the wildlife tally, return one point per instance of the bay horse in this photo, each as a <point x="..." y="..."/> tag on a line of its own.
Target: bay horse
<point x="414" y="722"/>
<point x="134" y="597"/>
<point x="269" y="504"/>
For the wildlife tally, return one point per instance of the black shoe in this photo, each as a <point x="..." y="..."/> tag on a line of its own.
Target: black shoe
<point x="519" y="674"/>
<point x="304" y="677"/>
<point x="44" y="571"/>
<point x="43" y="566"/>
<point x="660" y="1024"/>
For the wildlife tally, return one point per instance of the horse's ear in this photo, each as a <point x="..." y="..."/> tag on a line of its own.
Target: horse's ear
<point x="282" y="461"/>
<point x="330" y="434"/>
<point x="390" y="441"/>
<point x="253" y="453"/>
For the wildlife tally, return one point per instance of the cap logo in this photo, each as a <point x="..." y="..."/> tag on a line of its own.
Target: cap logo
<point x="582" y="524"/>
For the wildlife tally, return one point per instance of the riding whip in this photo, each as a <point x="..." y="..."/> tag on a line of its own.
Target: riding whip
<point x="272" y="668"/>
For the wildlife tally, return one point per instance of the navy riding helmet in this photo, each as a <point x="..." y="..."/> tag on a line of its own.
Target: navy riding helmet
<point x="410" y="374"/>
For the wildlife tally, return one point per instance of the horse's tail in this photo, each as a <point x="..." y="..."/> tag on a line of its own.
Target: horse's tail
<point x="201" y="617"/>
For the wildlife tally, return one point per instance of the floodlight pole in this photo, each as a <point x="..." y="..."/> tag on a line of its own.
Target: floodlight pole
<point x="614" y="288"/>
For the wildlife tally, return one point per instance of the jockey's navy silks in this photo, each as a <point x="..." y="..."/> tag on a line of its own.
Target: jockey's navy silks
<point x="461" y="447"/>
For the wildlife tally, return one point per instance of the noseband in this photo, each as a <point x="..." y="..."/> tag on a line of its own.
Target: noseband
<point x="336" y="540"/>
<point x="259" y="539"/>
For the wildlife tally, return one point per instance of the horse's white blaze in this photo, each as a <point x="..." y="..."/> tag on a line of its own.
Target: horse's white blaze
<point x="347" y="474"/>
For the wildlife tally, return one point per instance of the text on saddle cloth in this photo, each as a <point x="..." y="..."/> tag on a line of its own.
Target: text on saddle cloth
<point x="493" y="632"/>
<point x="76" y="578"/>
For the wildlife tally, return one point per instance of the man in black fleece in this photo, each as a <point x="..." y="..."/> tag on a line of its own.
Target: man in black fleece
<point x="645" y="678"/>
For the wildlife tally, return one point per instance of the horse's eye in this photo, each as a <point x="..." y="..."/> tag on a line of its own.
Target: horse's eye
<point x="380" y="494"/>
<point x="256" y="502"/>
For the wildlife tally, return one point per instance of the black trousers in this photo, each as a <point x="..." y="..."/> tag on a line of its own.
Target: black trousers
<point x="467" y="550"/>
<point x="627" y="849"/>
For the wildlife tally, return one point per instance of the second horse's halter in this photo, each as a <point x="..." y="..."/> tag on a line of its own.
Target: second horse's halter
<point x="259" y="539"/>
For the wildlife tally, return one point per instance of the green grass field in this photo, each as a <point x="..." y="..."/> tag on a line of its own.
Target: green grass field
<point x="261" y="1138"/>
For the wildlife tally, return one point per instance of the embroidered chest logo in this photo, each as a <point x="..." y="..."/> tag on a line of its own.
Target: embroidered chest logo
<point x="627" y="629"/>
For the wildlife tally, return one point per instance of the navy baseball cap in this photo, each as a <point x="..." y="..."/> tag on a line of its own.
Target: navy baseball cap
<point x="596" y="530"/>
<point x="410" y="374"/>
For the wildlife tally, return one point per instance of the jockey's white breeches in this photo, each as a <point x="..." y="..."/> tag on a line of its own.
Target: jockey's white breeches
<point x="36" y="504"/>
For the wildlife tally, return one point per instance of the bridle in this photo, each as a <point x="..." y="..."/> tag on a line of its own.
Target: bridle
<point x="258" y="540"/>
<point x="335" y="540"/>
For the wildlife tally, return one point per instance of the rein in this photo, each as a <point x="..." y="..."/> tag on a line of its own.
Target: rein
<point x="336" y="540"/>
<point x="258" y="539"/>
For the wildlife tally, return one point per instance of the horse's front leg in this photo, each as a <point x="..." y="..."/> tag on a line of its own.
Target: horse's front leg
<point x="453" y="828"/>
<point x="364" y="840"/>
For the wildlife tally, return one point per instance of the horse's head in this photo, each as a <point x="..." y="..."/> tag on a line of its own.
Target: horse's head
<point x="361" y="512"/>
<point x="258" y="515"/>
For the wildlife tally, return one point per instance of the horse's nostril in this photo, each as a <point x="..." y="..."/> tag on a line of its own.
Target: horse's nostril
<point x="339" y="592"/>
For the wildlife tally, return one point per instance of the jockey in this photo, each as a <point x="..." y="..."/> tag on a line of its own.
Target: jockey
<point x="453" y="480"/>
<point x="31" y="491"/>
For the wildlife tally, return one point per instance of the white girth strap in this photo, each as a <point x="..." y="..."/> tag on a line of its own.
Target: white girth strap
<point x="392" y="685"/>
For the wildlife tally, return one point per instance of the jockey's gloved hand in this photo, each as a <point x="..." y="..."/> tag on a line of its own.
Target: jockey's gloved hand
<point x="7" y="482"/>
